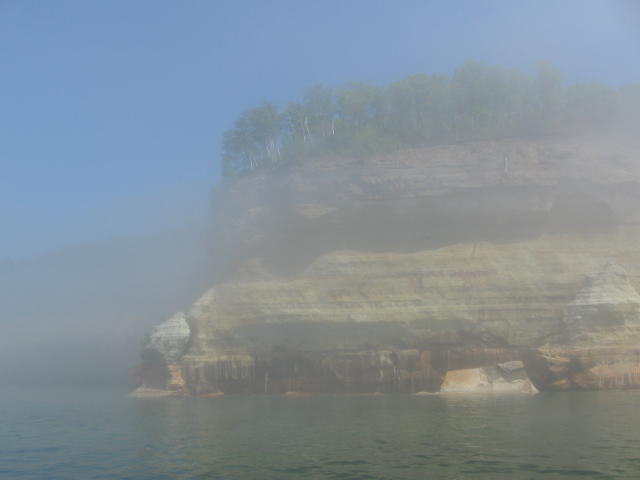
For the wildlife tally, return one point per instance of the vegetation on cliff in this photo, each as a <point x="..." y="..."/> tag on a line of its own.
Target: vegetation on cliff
<point x="477" y="102"/>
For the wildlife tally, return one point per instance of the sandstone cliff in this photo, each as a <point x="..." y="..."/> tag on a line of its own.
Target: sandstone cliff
<point x="344" y="275"/>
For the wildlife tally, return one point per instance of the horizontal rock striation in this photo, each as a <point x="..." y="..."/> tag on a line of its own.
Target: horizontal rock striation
<point x="599" y="340"/>
<point x="383" y="275"/>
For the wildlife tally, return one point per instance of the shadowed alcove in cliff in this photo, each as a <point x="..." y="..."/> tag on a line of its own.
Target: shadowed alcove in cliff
<point x="499" y="215"/>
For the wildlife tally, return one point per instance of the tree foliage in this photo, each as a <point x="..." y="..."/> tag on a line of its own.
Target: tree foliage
<point x="477" y="102"/>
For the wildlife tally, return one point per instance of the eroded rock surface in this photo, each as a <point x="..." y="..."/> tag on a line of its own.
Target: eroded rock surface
<point x="599" y="341"/>
<point x="160" y="370"/>
<point x="508" y="377"/>
<point x="382" y="275"/>
<point x="606" y="311"/>
<point x="170" y="338"/>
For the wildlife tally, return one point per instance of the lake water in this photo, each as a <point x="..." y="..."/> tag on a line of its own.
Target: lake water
<point x="102" y="434"/>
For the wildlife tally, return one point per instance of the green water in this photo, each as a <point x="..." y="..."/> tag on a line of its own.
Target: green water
<point x="101" y="434"/>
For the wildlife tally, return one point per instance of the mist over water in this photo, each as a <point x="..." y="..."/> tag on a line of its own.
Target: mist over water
<point x="325" y="240"/>
<point x="76" y="316"/>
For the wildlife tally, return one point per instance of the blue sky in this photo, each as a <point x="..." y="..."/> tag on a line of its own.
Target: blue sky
<point x="111" y="112"/>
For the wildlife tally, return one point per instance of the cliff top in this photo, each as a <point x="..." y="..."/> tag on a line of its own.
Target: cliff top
<point x="548" y="162"/>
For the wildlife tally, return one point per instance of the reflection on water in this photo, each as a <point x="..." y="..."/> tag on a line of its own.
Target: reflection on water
<point x="101" y="434"/>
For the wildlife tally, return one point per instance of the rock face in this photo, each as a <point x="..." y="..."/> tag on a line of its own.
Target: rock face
<point x="599" y="339"/>
<point x="509" y="377"/>
<point x="384" y="275"/>
<point x="160" y="371"/>
<point x="604" y="311"/>
<point x="170" y="338"/>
